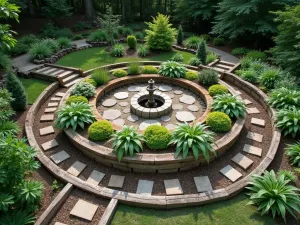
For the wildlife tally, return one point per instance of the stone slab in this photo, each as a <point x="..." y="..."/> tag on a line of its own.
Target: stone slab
<point x="255" y="136"/>
<point x="59" y="157"/>
<point x="238" y="92"/>
<point x="119" y="122"/>
<point x="55" y="99"/>
<point x="242" y="161"/>
<point x="184" y="116"/>
<point x="60" y="94"/>
<point x="95" y="178"/>
<point x="147" y="123"/>
<point x="133" y="118"/>
<point x="171" y="96"/>
<point x="123" y="104"/>
<point x="231" y="173"/>
<point x="187" y="99"/>
<point x="50" y="110"/>
<point x="76" y="168"/>
<point x="165" y="88"/>
<point x="121" y="95"/>
<point x="173" y="187"/>
<point x="109" y="102"/>
<point x="126" y="110"/>
<point x="116" y="181"/>
<point x="203" y="184"/>
<point x="165" y="118"/>
<point x="46" y="130"/>
<point x="47" y="118"/>
<point x="252" y="150"/>
<point x="134" y="88"/>
<point x="49" y="145"/>
<point x="111" y="114"/>
<point x="193" y="108"/>
<point x="253" y="110"/>
<point x="247" y="102"/>
<point x="177" y="106"/>
<point x="84" y="210"/>
<point x="52" y="104"/>
<point x="258" y="122"/>
<point x="178" y="92"/>
<point x="145" y="187"/>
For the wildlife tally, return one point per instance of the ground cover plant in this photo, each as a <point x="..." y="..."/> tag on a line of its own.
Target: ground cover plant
<point x="191" y="75"/>
<point x="217" y="89"/>
<point x="75" y="99"/>
<point x="149" y="70"/>
<point x="120" y="73"/>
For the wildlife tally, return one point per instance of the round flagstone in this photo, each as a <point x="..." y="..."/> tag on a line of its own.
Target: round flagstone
<point x="178" y="92"/>
<point x="123" y="104"/>
<point x="165" y="88"/>
<point x="109" y="102"/>
<point x="184" y="116"/>
<point x="121" y="95"/>
<point x="171" y="126"/>
<point x="134" y="88"/>
<point x="165" y="118"/>
<point x="177" y="106"/>
<point x="126" y="110"/>
<point x="147" y="123"/>
<point x="132" y="118"/>
<point x="119" y="122"/>
<point x="171" y="96"/>
<point x="187" y="99"/>
<point x="111" y="114"/>
<point x="193" y="108"/>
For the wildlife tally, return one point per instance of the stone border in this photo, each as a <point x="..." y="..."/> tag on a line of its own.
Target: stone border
<point x="109" y="212"/>
<point x="165" y="202"/>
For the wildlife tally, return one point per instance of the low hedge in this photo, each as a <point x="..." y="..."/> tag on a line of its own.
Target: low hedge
<point x="218" y="122"/>
<point x="149" y="70"/>
<point x="100" y="130"/>
<point x="120" y="73"/>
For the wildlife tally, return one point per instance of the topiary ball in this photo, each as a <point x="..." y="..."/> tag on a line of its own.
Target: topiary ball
<point x="75" y="99"/>
<point x="120" y="73"/>
<point x="190" y="75"/>
<point x="218" y="122"/>
<point x="100" y="130"/>
<point x="217" y="89"/>
<point x="157" y="137"/>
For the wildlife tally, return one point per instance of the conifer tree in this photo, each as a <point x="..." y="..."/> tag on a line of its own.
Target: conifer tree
<point x="201" y="52"/>
<point x="180" y="36"/>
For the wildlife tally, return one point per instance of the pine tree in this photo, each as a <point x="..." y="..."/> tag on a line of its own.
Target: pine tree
<point x="201" y="52"/>
<point x="15" y="87"/>
<point x="180" y="36"/>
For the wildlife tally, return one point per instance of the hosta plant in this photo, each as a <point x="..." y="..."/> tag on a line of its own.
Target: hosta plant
<point x="74" y="115"/>
<point x="172" y="69"/>
<point x="193" y="138"/>
<point x="126" y="142"/>
<point x="230" y="105"/>
<point x="274" y="195"/>
<point x="284" y="98"/>
<point x="293" y="153"/>
<point x="288" y="121"/>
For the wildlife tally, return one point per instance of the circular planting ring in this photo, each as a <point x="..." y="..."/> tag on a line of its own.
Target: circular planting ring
<point x="257" y="140"/>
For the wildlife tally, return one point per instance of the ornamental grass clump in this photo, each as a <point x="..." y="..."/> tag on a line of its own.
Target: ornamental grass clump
<point x="143" y="50"/>
<point x="194" y="61"/>
<point x="193" y="42"/>
<point x="193" y="138"/>
<point x="273" y="195"/>
<point x="284" y="98"/>
<point x="101" y="76"/>
<point x="250" y="76"/>
<point x="40" y="51"/>
<point x="64" y="43"/>
<point x="126" y="142"/>
<point x="269" y="77"/>
<point x="74" y="115"/>
<point x="293" y="153"/>
<point x="117" y="50"/>
<point x="208" y="77"/>
<point x="288" y="121"/>
<point x="230" y="105"/>
<point x="84" y="89"/>
<point x="98" y="36"/>
<point x="134" y="68"/>
<point x="178" y="57"/>
<point x="172" y="69"/>
<point x="288" y="175"/>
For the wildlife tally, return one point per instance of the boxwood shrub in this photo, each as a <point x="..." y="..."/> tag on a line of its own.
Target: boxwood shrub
<point x="75" y="99"/>
<point x="120" y="73"/>
<point x="191" y="75"/>
<point x="157" y="137"/>
<point x="100" y="130"/>
<point x="217" y="89"/>
<point x="131" y="41"/>
<point x="149" y="70"/>
<point x="218" y="122"/>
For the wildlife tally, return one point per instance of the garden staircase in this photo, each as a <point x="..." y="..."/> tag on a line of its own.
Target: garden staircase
<point x="224" y="66"/>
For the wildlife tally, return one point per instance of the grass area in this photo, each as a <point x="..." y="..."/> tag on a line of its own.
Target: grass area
<point x="229" y="212"/>
<point x="34" y="87"/>
<point x="94" y="57"/>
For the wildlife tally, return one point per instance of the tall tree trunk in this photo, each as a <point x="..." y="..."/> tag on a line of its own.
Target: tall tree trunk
<point x="30" y="8"/>
<point x="89" y="9"/>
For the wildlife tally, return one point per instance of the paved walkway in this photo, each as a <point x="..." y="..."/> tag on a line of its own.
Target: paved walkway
<point x="224" y="55"/>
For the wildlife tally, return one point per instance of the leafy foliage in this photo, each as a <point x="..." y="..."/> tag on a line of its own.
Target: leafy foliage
<point x="5" y="108"/>
<point x="127" y="31"/>
<point x="250" y="76"/>
<point x="84" y="89"/>
<point x="269" y="77"/>
<point x="240" y="51"/>
<point x="120" y="73"/>
<point x="17" y="217"/>
<point x="211" y="56"/>
<point x="117" y="50"/>
<point x="287" y="81"/>
<point x="201" y="52"/>
<point x="180" y="35"/>
<point x="139" y="35"/>
<point x="256" y="55"/>
<point x="40" y="51"/>
<point x="90" y="81"/>
<point x="100" y="130"/>
<point x="56" y="8"/>
<point x="143" y="51"/>
<point x="193" y="42"/>
<point x="191" y="75"/>
<point x="131" y="41"/>
<point x="101" y="76"/>
<point x="194" y="61"/>
<point x="76" y="99"/>
<point x="6" y="201"/>
<point x="178" y="57"/>
<point x="218" y="122"/>
<point x="98" y="36"/>
<point x="288" y="175"/>
<point x="149" y="70"/>
<point x="134" y="68"/>
<point x="288" y="121"/>
<point x="8" y="128"/>
<point x="284" y="98"/>
<point x="52" y="31"/>
<point x="51" y="43"/>
<point x="217" y="89"/>
<point x="172" y="69"/>
<point x="5" y="61"/>
<point x="293" y="153"/>
<point x="30" y="192"/>
<point x="218" y="41"/>
<point x="157" y="137"/>
<point x="208" y="77"/>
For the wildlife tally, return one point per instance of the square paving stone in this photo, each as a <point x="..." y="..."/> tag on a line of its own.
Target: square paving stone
<point x="49" y="144"/>
<point x="242" y="161"/>
<point x="59" y="157"/>
<point x="76" y="168"/>
<point x="116" y="181"/>
<point x="145" y="187"/>
<point x="173" y="187"/>
<point x="52" y="104"/>
<point x="252" y="150"/>
<point x="255" y="136"/>
<point x="203" y="184"/>
<point x="253" y="110"/>
<point x="46" y="118"/>
<point x="84" y="210"/>
<point x="231" y="173"/>
<point x="50" y="110"/>
<point x="247" y="102"/>
<point x="60" y="94"/>
<point x="46" y="130"/>
<point x="95" y="178"/>
<point x="258" y="122"/>
<point x="55" y="99"/>
<point x="58" y="223"/>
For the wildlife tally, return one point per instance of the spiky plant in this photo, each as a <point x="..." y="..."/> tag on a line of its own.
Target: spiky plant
<point x="284" y="98"/>
<point x="17" y="217"/>
<point x="288" y="121"/>
<point x="288" y="175"/>
<point x="293" y="153"/>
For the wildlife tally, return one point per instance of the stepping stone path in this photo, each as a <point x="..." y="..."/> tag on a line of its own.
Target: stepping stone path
<point x="50" y="110"/>
<point x="76" y="168"/>
<point x="84" y="210"/>
<point x="165" y="88"/>
<point x="49" y="144"/>
<point x="173" y="187"/>
<point x="258" y="122"/>
<point x="133" y="118"/>
<point x="116" y="181"/>
<point x="171" y="126"/>
<point x="109" y="102"/>
<point x="127" y="110"/>
<point x="178" y="92"/>
<point x="147" y="123"/>
<point x="252" y="150"/>
<point x="231" y="173"/>
<point x="46" y="130"/>
<point x="123" y="104"/>
<point x="47" y="118"/>
<point x="60" y="94"/>
<point x="171" y="96"/>
<point x="59" y="157"/>
<point x="187" y="99"/>
<point x="121" y="95"/>
<point x="55" y="99"/>
<point x="165" y="118"/>
<point x="134" y="88"/>
<point x="145" y="187"/>
<point x="242" y="161"/>
<point x="252" y="110"/>
<point x="52" y="104"/>
<point x="255" y="136"/>
<point x="193" y="108"/>
<point x="177" y="107"/>
<point x="95" y="178"/>
<point x="203" y="184"/>
<point x="111" y="114"/>
<point x="247" y="102"/>
<point x="184" y="116"/>
<point x="119" y="122"/>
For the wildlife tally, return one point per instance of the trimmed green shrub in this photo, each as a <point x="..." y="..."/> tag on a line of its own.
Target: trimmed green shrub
<point x="117" y="50"/>
<point x="18" y="93"/>
<point x="139" y="35"/>
<point x="193" y="42"/>
<point x="100" y="130"/>
<point x="8" y="128"/>
<point x="76" y="99"/>
<point x="51" y="43"/>
<point x="178" y="57"/>
<point x="157" y="137"/>
<point x="211" y="57"/>
<point x="287" y="174"/>
<point x="288" y="121"/>
<point x="64" y="43"/>
<point x="143" y="51"/>
<point x="208" y="77"/>
<point x="250" y="76"/>
<point x="256" y="55"/>
<point x="90" y="81"/>
<point x="131" y="41"/>
<point x="98" y="36"/>
<point x="240" y="51"/>
<point x="101" y="76"/>
<point x="149" y="70"/>
<point x="134" y="68"/>
<point x="218" y="122"/>
<point x="201" y="52"/>
<point x="194" y="61"/>
<point x="191" y="75"/>
<point x="217" y="89"/>
<point x="284" y="98"/>
<point x="293" y="153"/>
<point x="180" y="35"/>
<point x="219" y="41"/>
<point x="40" y="51"/>
<point x="120" y="73"/>
<point x="269" y="77"/>
<point x="84" y="89"/>
<point x="127" y="31"/>
<point x="193" y="138"/>
<point x="172" y="69"/>
<point x="127" y="141"/>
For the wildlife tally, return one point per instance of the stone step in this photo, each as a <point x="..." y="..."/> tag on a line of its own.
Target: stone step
<point x="47" y="118"/>
<point x="67" y="85"/>
<point x="231" y="173"/>
<point x="76" y="168"/>
<point x="252" y="110"/>
<point x="227" y="63"/>
<point x="242" y="161"/>
<point x="59" y="157"/>
<point x="95" y="178"/>
<point x="42" y="69"/>
<point x="50" y="110"/>
<point x="52" y="104"/>
<point x="48" y="72"/>
<point x="173" y="187"/>
<point x="252" y="150"/>
<point x="64" y="74"/>
<point x="55" y="99"/>
<point x="57" y="72"/>
<point x="255" y="136"/>
<point x="258" y="122"/>
<point x="70" y="78"/>
<point x="247" y="102"/>
<point x="219" y="69"/>
<point x="145" y="187"/>
<point x="203" y="184"/>
<point x="49" y="145"/>
<point x="84" y="210"/>
<point x="221" y="66"/>
<point x="60" y="94"/>
<point x="46" y="130"/>
<point x="237" y="92"/>
<point x="116" y="181"/>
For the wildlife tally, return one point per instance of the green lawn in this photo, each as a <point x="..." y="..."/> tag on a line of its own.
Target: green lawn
<point x="34" y="87"/>
<point x="230" y="212"/>
<point x="95" y="57"/>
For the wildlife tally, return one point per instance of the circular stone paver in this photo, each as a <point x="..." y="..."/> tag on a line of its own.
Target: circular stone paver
<point x="147" y="123"/>
<point x="184" y="116"/>
<point x="165" y="118"/>
<point x="121" y="95"/>
<point x="111" y="114"/>
<point x="109" y="102"/>
<point x="171" y="96"/>
<point x="119" y="122"/>
<point x="132" y="118"/>
<point x="123" y="104"/>
<point x="177" y="106"/>
<point x="126" y="110"/>
<point x="187" y="99"/>
<point x="178" y="92"/>
<point x="165" y="88"/>
<point x="193" y="108"/>
<point x="134" y="88"/>
<point x="171" y="126"/>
